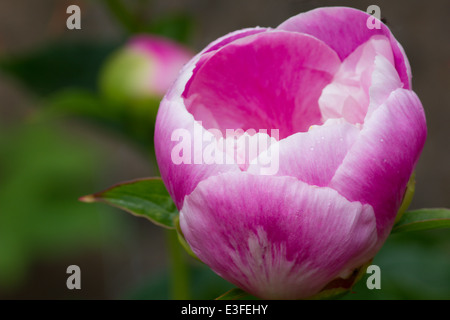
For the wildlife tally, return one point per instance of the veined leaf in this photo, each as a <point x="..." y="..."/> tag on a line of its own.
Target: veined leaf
<point x="146" y="198"/>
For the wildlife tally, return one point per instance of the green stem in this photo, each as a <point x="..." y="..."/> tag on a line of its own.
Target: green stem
<point x="123" y="15"/>
<point x="179" y="268"/>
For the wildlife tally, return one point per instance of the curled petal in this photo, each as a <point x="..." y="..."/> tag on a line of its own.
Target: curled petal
<point x="385" y="80"/>
<point x="366" y="76"/>
<point x="212" y="48"/>
<point x="189" y="69"/>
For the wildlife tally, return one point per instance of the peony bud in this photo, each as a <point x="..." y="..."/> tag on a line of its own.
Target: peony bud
<point x="349" y="132"/>
<point x="142" y="70"/>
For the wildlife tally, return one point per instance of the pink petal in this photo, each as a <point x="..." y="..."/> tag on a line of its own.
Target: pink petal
<point x="380" y="163"/>
<point x="364" y="81"/>
<point x="385" y="80"/>
<point x="276" y="237"/>
<point x="312" y="157"/>
<point x="263" y="81"/>
<point x="181" y="179"/>
<point x="344" y="29"/>
<point x="189" y="69"/>
<point x="232" y="36"/>
<point x="211" y="49"/>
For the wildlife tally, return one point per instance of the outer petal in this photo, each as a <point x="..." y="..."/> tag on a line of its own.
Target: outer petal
<point x="312" y="157"/>
<point x="380" y="163"/>
<point x="276" y="237"/>
<point x="270" y="80"/>
<point x="344" y="29"/>
<point x="181" y="179"/>
<point x="175" y="126"/>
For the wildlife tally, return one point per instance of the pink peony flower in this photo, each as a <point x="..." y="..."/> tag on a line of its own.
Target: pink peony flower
<point x="350" y="131"/>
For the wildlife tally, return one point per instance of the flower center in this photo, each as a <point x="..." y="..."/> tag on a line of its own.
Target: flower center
<point x="271" y="80"/>
<point x="354" y="91"/>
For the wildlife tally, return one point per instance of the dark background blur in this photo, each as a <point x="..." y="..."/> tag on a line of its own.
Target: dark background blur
<point x="46" y="163"/>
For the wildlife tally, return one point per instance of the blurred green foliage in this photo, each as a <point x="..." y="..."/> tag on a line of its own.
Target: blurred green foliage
<point x="42" y="172"/>
<point x="43" y="168"/>
<point x="65" y="77"/>
<point x="414" y="265"/>
<point x="59" y="65"/>
<point x="175" y="25"/>
<point x="204" y="285"/>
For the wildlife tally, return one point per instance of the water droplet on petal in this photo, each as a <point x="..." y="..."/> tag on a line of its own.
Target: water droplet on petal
<point x="312" y="148"/>
<point x="381" y="140"/>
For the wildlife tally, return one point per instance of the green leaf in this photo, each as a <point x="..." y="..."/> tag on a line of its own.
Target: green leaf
<point x="39" y="219"/>
<point x="146" y="198"/>
<point x="423" y="219"/>
<point x="234" y="294"/>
